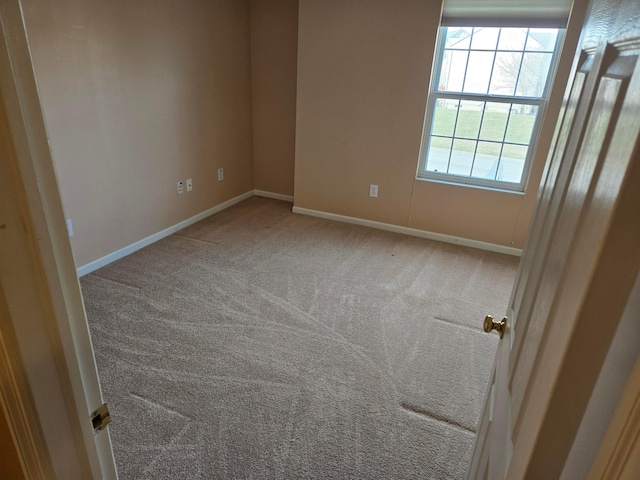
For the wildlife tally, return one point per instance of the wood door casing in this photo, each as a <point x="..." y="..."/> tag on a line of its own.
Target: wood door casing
<point x="585" y="256"/>
<point x="580" y="262"/>
<point x="577" y="193"/>
<point x="40" y="283"/>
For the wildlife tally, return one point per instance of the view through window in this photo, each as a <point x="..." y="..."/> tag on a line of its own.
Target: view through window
<point x="485" y="105"/>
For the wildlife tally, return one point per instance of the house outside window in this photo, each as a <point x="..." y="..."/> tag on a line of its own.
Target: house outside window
<point x="487" y="98"/>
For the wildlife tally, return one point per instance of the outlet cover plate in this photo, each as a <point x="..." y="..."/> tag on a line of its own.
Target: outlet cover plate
<point x="373" y="191"/>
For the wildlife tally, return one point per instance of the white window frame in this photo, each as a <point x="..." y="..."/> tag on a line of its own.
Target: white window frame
<point x="435" y="94"/>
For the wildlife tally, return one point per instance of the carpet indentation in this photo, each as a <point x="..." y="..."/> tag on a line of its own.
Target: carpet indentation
<point x="475" y="329"/>
<point x="261" y="344"/>
<point x="157" y="405"/>
<point x="434" y="416"/>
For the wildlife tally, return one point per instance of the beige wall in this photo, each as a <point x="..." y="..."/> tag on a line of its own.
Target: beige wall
<point x="362" y="68"/>
<point x="363" y="72"/>
<point x="274" y="46"/>
<point x="137" y="96"/>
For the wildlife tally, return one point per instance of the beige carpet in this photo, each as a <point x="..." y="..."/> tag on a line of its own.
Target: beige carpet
<point x="261" y="344"/>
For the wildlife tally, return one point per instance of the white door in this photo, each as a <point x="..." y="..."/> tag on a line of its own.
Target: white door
<point x="580" y="262"/>
<point x="49" y="385"/>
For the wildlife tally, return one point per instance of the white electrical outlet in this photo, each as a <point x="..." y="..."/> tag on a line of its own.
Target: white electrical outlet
<point x="220" y="174"/>
<point x="70" y="227"/>
<point x="180" y="188"/>
<point x="373" y="190"/>
<point x="189" y="185"/>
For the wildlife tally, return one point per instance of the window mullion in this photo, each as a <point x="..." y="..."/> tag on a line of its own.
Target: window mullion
<point x="466" y="66"/>
<point x="493" y="64"/>
<point x="453" y="136"/>
<point x="475" y="152"/>
<point x="504" y="139"/>
<point x="524" y="49"/>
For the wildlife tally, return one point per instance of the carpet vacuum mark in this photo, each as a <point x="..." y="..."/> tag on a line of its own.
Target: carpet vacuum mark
<point x="260" y="344"/>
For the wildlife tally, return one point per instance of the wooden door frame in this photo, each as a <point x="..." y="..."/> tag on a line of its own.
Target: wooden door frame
<point x="56" y="269"/>
<point x="564" y="369"/>
<point x="49" y="414"/>
<point x="619" y="453"/>
<point x="574" y="348"/>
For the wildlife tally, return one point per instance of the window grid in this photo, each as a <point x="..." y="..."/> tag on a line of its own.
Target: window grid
<point x="525" y="49"/>
<point x="477" y="139"/>
<point x="517" y="104"/>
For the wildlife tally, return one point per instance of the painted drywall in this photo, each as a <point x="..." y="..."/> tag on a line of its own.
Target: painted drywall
<point x="362" y="67"/>
<point x="274" y="47"/>
<point x="363" y="72"/>
<point x="140" y="95"/>
<point x="137" y="96"/>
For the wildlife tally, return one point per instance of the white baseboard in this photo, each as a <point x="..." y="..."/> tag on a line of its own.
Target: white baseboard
<point x="343" y="218"/>
<point x="492" y="247"/>
<point x="466" y="242"/>
<point x="123" y="252"/>
<point x="276" y="196"/>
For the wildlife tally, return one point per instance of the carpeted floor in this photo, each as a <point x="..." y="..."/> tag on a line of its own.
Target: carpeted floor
<point x="261" y="344"/>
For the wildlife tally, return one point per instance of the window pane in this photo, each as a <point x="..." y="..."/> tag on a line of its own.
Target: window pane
<point x="438" y="156"/>
<point x="478" y="72"/>
<point x="482" y="130"/>
<point x="454" y="64"/>
<point x="505" y="73"/>
<point x="486" y="161"/>
<point x="444" y="119"/>
<point x="484" y="38"/>
<point x="458" y="38"/>
<point x="495" y="121"/>
<point x="512" y="39"/>
<point x="542" y="39"/>
<point x="533" y="74"/>
<point x="521" y="123"/>
<point x="469" y="115"/>
<point x="514" y="152"/>
<point x="511" y="163"/>
<point x="462" y="157"/>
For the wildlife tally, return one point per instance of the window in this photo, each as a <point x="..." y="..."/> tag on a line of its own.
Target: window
<point x="488" y="93"/>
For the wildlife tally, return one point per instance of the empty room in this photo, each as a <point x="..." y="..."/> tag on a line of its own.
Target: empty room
<point x="327" y="239"/>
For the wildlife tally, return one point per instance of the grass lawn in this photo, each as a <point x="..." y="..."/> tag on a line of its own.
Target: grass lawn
<point x="493" y="129"/>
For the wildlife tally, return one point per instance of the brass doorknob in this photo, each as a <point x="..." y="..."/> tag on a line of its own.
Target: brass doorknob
<point x="491" y="324"/>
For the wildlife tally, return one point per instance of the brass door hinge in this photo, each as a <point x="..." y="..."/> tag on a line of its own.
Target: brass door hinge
<point x="100" y="418"/>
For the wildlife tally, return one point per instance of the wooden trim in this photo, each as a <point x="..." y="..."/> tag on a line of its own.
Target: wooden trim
<point x="15" y="405"/>
<point x="619" y="455"/>
<point x="275" y="196"/>
<point x="465" y="242"/>
<point x="129" y="249"/>
<point x="135" y="246"/>
<point x="41" y="289"/>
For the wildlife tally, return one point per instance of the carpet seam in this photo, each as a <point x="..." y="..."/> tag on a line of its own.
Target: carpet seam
<point x="116" y="282"/>
<point x="452" y="322"/>
<point x="433" y="416"/>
